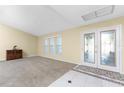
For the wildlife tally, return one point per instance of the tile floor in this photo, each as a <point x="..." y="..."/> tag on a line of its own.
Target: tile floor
<point x="82" y="80"/>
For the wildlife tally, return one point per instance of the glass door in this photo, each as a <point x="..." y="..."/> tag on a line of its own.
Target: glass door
<point x="109" y="49"/>
<point x="101" y="49"/>
<point x="89" y="55"/>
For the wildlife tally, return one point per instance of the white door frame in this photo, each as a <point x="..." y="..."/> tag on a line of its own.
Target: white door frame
<point x="97" y="48"/>
<point x="82" y="48"/>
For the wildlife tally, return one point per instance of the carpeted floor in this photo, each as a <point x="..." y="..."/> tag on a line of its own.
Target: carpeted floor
<point x="32" y="72"/>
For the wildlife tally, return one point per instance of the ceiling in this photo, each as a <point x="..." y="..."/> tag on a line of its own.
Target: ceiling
<point x="43" y="19"/>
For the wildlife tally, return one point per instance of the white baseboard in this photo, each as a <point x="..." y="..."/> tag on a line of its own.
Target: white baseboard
<point x="30" y="56"/>
<point x="59" y="60"/>
<point x="2" y="60"/>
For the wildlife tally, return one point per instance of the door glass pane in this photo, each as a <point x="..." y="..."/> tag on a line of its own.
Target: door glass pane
<point x="108" y="48"/>
<point x="89" y="55"/>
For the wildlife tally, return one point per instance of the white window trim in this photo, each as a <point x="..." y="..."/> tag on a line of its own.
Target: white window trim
<point x="55" y="45"/>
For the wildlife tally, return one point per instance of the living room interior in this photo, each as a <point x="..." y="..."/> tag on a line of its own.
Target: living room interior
<point x="61" y="46"/>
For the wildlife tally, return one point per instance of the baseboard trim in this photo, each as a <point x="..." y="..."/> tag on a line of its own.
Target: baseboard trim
<point x="30" y="56"/>
<point x="3" y="60"/>
<point x="58" y="60"/>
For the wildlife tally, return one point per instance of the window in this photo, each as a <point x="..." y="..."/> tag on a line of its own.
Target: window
<point x="59" y="44"/>
<point x="52" y="45"/>
<point x="46" y="46"/>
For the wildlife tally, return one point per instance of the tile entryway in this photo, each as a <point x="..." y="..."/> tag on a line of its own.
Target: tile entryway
<point x="82" y="80"/>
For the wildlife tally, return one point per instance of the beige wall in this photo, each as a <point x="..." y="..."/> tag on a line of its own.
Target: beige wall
<point x="33" y="45"/>
<point x="10" y="36"/>
<point x="71" y="41"/>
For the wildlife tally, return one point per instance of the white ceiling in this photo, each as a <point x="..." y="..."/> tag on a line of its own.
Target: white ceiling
<point x="39" y="19"/>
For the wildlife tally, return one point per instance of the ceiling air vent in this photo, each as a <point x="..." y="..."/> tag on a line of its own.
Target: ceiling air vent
<point x="89" y="16"/>
<point x="105" y="11"/>
<point x="98" y="13"/>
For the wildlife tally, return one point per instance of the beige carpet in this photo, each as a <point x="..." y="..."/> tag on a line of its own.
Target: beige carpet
<point x="32" y="72"/>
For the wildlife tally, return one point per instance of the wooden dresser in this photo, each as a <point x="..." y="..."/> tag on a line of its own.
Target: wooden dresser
<point x="14" y="54"/>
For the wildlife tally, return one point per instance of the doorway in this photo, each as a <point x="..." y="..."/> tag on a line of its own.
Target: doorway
<point x="102" y="48"/>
